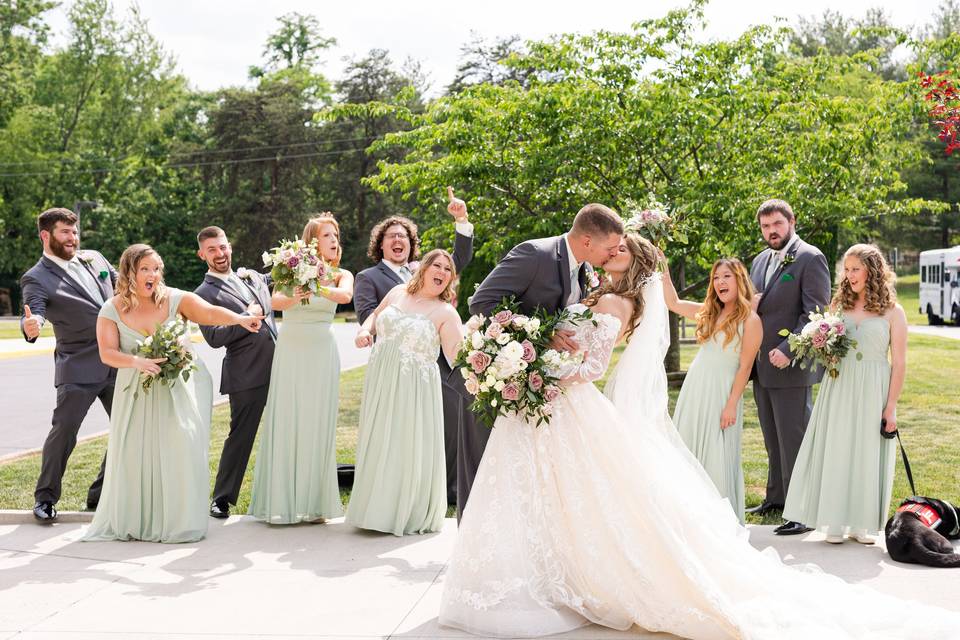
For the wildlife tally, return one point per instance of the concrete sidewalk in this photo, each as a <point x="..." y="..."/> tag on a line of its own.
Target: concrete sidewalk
<point x="319" y="581"/>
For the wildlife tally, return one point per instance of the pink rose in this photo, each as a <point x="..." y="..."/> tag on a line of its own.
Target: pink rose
<point x="551" y="393"/>
<point x="472" y="385"/>
<point x="503" y="318"/>
<point x="819" y="340"/>
<point x="511" y="391"/>
<point x="479" y="361"/>
<point x="824" y="327"/>
<point x="529" y="353"/>
<point x="841" y="329"/>
<point x="493" y="331"/>
<point x="535" y="381"/>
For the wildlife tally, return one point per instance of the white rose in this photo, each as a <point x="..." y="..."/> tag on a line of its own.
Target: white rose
<point x="489" y="381"/>
<point x="533" y="325"/>
<point x="499" y="386"/>
<point x="266" y="258"/>
<point x="474" y="323"/>
<point x="503" y="338"/>
<point x="477" y="340"/>
<point x="513" y="351"/>
<point x="148" y="341"/>
<point x="493" y="371"/>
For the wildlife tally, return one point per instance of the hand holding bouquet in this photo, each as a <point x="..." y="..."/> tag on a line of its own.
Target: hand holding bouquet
<point x="822" y="341"/>
<point x="296" y="263"/>
<point x="167" y="348"/>
<point x="508" y="366"/>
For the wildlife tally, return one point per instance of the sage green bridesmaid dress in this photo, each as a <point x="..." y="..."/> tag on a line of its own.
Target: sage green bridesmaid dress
<point x="295" y="479"/>
<point x="843" y="476"/>
<point x="400" y="485"/>
<point x="156" y="480"/>
<point x="697" y="416"/>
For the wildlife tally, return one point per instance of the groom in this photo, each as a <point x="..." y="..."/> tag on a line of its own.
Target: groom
<point x="793" y="280"/>
<point x="245" y="375"/>
<point x="68" y="287"/>
<point x="549" y="274"/>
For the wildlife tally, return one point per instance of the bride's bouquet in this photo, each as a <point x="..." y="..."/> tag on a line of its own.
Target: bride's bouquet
<point x="822" y="341"/>
<point x="650" y="220"/>
<point x="168" y="341"/>
<point x="296" y="263"/>
<point x="508" y="366"/>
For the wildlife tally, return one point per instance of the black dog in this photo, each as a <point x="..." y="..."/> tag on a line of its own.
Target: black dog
<point x="918" y="533"/>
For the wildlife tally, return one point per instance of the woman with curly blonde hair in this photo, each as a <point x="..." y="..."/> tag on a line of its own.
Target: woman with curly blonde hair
<point x="844" y="472"/>
<point x="709" y="411"/>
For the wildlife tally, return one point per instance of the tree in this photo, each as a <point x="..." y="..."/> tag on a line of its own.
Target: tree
<point x="486" y="63"/>
<point x="22" y="35"/>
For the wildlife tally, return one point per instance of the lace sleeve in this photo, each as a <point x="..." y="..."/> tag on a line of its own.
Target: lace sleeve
<point x="596" y="343"/>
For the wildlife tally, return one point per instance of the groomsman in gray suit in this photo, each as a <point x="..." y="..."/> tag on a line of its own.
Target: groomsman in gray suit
<point x="393" y="244"/>
<point x="549" y="274"/>
<point x="792" y="279"/>
<point x="245" y="373"/>
<point x="68" y="287"/>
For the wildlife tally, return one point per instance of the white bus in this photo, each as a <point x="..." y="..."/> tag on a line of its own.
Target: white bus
<point x="940" y="285"/>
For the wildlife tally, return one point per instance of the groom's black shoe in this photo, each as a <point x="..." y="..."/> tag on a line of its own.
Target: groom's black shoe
<point x="45" y="512"/>
<point x="791" y="529"/>
<point x="220" y="509"/>
<point x="764" y="508"/>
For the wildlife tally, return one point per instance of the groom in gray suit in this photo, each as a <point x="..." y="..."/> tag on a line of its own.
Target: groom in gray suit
<point x="245" y="373"/>
<point x="792" y="279"/>
<point x="548" y="274"/>
<point x="67" y="287"/>
<point x="393" y="245"/>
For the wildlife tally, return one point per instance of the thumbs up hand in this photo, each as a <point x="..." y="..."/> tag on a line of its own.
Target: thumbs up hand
<point x="31" y="324"/>
<point x="457" y="207"/>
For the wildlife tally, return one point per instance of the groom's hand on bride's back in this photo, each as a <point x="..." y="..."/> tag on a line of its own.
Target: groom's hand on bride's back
<point x="563" y="341"/>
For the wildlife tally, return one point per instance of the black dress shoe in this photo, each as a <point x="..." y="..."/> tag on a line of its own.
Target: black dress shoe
<point x="91" y="506"/>
<point x="45" y="512"/>
<point x="764" y="508"/>
<point x="791" y="529"/>
<point x="220" y="509"/>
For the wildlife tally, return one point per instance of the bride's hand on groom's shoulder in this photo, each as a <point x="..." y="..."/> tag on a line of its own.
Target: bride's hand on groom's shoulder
<point x="563" y="341"/>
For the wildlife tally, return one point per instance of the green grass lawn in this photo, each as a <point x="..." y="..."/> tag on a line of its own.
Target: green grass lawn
<point x="908" y="295"/>
<point x="11" y="329"/>
<point x="929" y="415"/>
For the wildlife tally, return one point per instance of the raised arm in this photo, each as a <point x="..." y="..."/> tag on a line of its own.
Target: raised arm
<point x="686" y="308"/>
<point x="898" y="364"/>
<point x="195" y="308"/>
<point x="463" y="242"/>
<point x="749" y="346"/>
<point x="511" y="277"/>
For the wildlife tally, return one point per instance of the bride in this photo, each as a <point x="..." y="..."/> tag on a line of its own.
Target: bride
<point x="601" y="517"/>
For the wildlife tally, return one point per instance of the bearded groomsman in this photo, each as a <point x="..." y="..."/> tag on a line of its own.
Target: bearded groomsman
<point x="245" y="373"/>
<point x="393" y="246"/>
<point x="67" y="287"/>
<point x="792" y="279"/>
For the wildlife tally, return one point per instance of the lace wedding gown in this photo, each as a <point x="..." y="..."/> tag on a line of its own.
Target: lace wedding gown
<point x="591" y="519"/>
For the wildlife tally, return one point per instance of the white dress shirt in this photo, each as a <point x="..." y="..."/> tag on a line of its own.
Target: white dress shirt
<point x="574" y="267"/>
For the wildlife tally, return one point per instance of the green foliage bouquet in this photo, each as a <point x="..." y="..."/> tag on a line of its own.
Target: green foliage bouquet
<point x="296" y="263"/>
<point x="823" y="340"/>
<point x="168" y="341"/>
<point x="650" y="220"/>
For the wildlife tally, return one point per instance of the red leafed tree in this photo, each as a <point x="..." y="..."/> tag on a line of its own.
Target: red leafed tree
<point x="943" y="98"/>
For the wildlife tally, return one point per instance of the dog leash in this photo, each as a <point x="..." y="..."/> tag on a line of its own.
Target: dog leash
<point x="906" y="463"/>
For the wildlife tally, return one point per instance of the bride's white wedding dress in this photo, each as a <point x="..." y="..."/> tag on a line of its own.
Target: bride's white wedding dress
<point x="591" y="519"/>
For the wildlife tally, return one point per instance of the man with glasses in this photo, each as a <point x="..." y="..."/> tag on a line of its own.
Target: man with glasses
<point x="394" y="245"/>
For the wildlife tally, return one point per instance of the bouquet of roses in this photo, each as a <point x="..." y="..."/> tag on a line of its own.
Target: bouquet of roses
<point x="650" y="220"/>
<point x="168" y="341"/>
<point x="296" y="263"/>
<point x="507" y="363"/>
<point x="823" y="341"/>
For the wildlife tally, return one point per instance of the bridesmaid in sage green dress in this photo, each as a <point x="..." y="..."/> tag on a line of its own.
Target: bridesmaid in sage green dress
<point x="295" y="479"/>
<point x="156" y="480"/>
<point x="844" y="472"/>
<point x="400" y="484"/>
<point x="709" y="411"/>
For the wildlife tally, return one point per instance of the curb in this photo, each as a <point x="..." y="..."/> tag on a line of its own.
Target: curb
<point x="15" y="516"/>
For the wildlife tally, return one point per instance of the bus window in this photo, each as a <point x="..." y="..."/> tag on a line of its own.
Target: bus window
<point x="923" y="273"/>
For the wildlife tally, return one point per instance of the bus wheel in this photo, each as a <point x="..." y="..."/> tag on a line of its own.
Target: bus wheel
<point x="932" y="319"/>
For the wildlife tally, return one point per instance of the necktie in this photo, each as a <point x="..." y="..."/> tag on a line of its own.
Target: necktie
<point x="85" y="280"/>
<point x="240" y="288"/>
<point x="772" y="267"/>
<point x="405" y="274"/>
<point x="574" y="286"/>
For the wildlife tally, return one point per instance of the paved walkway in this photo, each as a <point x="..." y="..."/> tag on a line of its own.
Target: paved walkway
<point x="318" y="581"/>
<point x="28" y="397"/>
<point x="943" y="331"/>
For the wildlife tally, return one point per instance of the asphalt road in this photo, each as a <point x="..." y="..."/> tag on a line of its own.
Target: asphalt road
<point x="27" y="395"/>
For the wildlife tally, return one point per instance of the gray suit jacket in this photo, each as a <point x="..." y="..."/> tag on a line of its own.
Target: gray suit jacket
<point x="249" y="356"/>
<point x="795" y="290"/>
<point x="535" y="272"/>
<point x="372" y="285"/>
<point x="56" y="296"/>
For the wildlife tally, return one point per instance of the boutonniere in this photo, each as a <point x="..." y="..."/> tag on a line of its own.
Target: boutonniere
<point x="244" y="274"/>
<point x="593" y="280"/>
<point x="85" y="258"/>
<point x="788" y="259"/>
<point x="413" y="266"/>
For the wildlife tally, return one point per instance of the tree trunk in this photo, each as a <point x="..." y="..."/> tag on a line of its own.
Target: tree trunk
<point x="671" y="361"/>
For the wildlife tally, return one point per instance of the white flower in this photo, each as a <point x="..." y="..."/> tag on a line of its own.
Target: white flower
<point x="477" y="340"/>
<point x="474" y="323"/>
<point x="533" y="326"/>
<point x="504" y="338"/>
<point x="493" y="402"/>
<point x="512" y="351"/>
<point x="148" y="341"/>
<point x="489" y="381"/>
<point x="244" y="273"/>
<point x="267" y="258"/>
<point x="499" y="385"/>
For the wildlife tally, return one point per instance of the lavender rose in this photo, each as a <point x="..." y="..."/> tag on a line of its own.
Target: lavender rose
<point x="494" y="330"/>
<point x="535" y="381"/>
<point x="503" y="318"/>
<point x="479" y="361"/>
<point x="551" y="393"/>
<point x="529" y="353"/>
<point x="511" y="391"/>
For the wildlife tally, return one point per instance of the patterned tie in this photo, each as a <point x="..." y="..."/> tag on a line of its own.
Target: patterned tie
<point x="85" y="280"/>
<point x="405" y="274"/>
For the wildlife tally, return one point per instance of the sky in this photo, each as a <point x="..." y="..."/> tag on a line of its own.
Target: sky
<point x="215" y="41"/>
